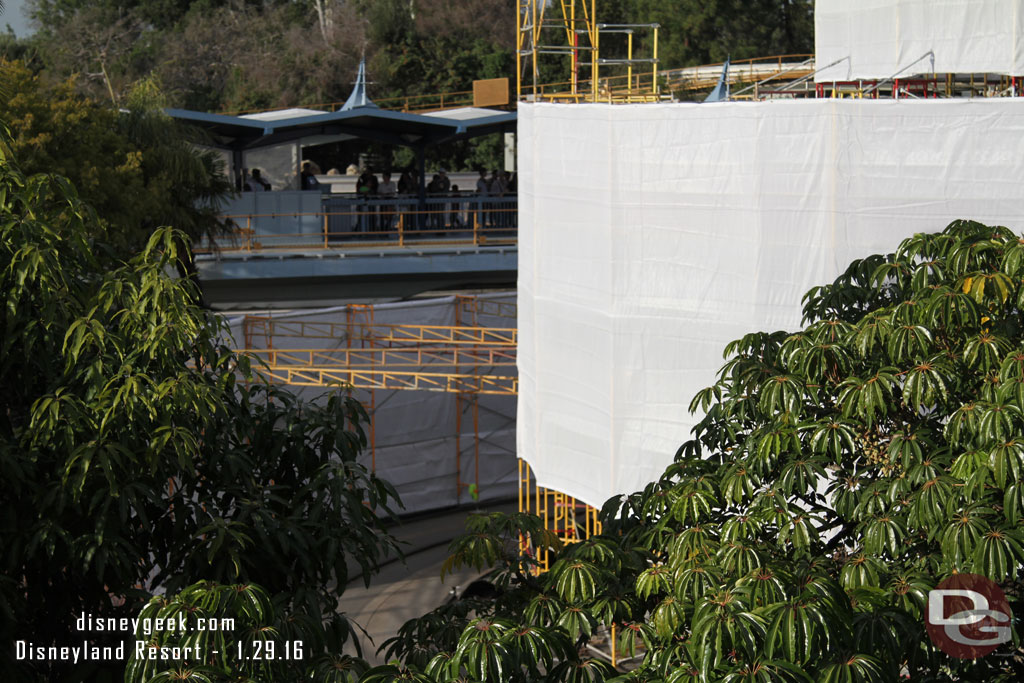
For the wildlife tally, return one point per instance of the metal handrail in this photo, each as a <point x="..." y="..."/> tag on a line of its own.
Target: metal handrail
<point x="434" y="101"/>
<point x="380" y="225"/>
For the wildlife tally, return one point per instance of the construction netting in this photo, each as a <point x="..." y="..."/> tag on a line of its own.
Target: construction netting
<point x="880" y="38"/>
<point x="652" y="235"/>
<point x="439" y="448"/>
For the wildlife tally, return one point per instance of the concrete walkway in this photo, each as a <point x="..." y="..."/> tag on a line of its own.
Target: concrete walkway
<point x="402" y="591"/>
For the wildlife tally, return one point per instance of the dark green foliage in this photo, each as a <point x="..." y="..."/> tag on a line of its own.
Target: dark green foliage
<point x="139" y="453"/>
<point x="245" y="637"/>
<point x="838" y="475"/>
<point x="706" y="31"/>
<point x="135" y="166"/>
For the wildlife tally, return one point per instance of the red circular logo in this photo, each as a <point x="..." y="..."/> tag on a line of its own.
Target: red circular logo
<point x="968" y="616"/>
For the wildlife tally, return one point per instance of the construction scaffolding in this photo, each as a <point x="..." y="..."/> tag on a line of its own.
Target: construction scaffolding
<point x="570" y="31"/>
<point x="466" y="359"/>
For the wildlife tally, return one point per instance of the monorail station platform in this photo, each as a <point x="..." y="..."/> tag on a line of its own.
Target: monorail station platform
<point x="298" y="278"/>
<point x="293" y="248"/>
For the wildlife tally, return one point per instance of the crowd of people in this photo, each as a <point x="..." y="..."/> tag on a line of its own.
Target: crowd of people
<point x="499" y="183"/>
<point x="373" y="216"/>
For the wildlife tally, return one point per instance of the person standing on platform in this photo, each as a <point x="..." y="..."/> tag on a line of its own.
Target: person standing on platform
<point x="408" y="187"/>
<point x="257" y="183"/>
<point x="387" y="190"/>
<point x="499" y="187"/>
<point x="366" y="187"/>
<point x="483" y="188"/>
<point x="308" y="177"/>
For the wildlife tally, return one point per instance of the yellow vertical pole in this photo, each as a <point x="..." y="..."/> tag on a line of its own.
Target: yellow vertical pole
<point x="654" y="63"/>
<point x="629" y="65"/>
<point x="476" y="439"/>
<point x="519" y="47"/>
<point x="520" y="463"/>
<point x="594" y="44"/>
<point x="325" y="230"/>
<point x="575" y="53"/>
<point x="458" y="445"/>
<point x="533" y="46"/>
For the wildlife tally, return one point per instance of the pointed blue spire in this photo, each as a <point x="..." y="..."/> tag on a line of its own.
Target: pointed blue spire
<point x="721" y="91"/>
<point x="358" y="97"/>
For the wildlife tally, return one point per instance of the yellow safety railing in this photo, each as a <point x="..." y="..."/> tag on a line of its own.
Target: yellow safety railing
<point x="571" y="520"/>
<point x="487" y="226"/>
<point x="622" y="87"/>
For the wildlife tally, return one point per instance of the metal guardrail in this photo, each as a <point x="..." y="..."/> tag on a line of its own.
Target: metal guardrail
<point x="352" y="223"/>
<point x="746" y="70"/>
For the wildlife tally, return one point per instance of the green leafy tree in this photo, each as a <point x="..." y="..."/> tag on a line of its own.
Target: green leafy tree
<point x="840" y="472"/>
<point x="139" y="454"/>
<point x="136" y="166"/>
<point x="705" y="31"/>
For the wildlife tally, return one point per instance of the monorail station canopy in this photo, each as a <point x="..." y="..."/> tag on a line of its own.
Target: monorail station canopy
<point x="242" y="133"/>
<point x="283" y="133"/>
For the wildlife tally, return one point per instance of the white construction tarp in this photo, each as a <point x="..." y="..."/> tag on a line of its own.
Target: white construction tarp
<point x="652" y="235"/>
<point x="878" y="38"/>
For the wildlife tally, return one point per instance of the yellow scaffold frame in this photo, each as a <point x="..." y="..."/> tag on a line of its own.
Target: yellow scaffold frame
<point x="465" y="359"/>
<point x="570" y="28"/>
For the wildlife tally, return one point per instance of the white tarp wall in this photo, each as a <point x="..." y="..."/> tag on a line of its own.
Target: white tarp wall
<point x="415" y="431"/>
<point x="652" y="235"/>
<point x="882" y="37"/>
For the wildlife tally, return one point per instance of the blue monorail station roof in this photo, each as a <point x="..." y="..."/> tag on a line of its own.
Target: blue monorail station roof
<point x="365" y="122"/>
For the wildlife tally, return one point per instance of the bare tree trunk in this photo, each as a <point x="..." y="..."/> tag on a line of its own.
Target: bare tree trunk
<point x="325" y="17"/>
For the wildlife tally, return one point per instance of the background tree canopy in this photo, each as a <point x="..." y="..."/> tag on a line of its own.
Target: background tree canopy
<point x="239" y="55"/>
<point x="138" y="453"/>
<point x="840" y="473"/>
<point x="231" y="55"/>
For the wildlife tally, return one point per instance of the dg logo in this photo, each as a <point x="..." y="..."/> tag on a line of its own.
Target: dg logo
<point x="968" y="616"/>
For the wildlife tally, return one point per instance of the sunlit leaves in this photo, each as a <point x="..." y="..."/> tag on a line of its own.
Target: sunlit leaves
<point x="693" y="504"/>
<point x="871" y="333"/>
<point x="738" y="484"/>
<point x="985" y="351"/>
<point x="869" y="397"/>
<point x="668" y="616"/>
<point x="984" y="288"/>
<point x="883" y="533"/>
<point x="781" y="394"/>
<point x="924" y="385"/>
<point x="861" y="570"/>
<point x="575" y="580"/>
<point x="797" y="630"/>
<point x="999" y="553"/>
<point x="483" y="652"/>
<point x="724" y="621"/>
<point x="653" y="580"/>
<point x="909" y="343"/>
<point x="834" y="438"/>
<point x="950" y="309"/>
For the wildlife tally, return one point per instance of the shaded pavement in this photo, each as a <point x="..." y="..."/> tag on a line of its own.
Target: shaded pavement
<point x="402" y="591"/>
